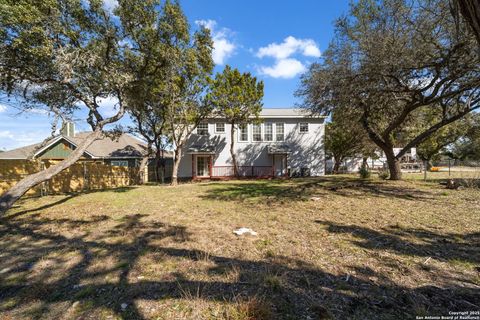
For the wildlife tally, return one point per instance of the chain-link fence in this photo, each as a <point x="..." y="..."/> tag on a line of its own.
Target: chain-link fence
<point x="452" y="169"/>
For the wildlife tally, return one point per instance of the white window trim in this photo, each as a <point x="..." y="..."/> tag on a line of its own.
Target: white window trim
<point x="208" y="130"/>
<point x="275" y="132"/>
<point x="224" y="128"/>
<point x="300" y="125"/>
<point x="239" y="134"/>
<point x="260" y="125"/>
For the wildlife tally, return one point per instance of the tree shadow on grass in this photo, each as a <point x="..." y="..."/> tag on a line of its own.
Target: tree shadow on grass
<point x="413" y="242"/>
<point x="258" y="190"/>
<point x="64" y="198"/>
<point x="306" y="188"/>
<point x="291" y="287"/>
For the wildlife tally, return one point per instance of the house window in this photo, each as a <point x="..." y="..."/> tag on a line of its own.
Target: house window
<point x="202" y="129"/>
<point x="303" y="127"/>
<point x="257" y="132"/>
<point x="268" y="135"/>
<point x="119" y="163"/>
<point x="220" y="127"/>
<point x="243" y="133"/>
<point x="279" y="132"/>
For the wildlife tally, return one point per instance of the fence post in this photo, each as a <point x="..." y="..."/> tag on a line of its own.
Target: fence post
<point x="449" y="166"/>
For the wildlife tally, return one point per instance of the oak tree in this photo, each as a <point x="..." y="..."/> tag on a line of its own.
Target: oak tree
<point x="388" y="60"/>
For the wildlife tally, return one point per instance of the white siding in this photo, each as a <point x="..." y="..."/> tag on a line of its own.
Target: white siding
<point x="307" y="149"/>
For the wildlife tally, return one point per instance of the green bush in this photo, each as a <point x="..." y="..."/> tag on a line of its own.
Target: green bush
<point x="364" y="172"/>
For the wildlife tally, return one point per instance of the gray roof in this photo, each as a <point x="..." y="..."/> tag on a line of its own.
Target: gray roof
<point x="286" y="113"/>
<point x="125" y="146"/>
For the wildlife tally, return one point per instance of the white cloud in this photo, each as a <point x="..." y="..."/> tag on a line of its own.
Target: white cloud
<point x="223" y="47"/>
<point x="3" y="108"/>
<point x="288" y="47"/>
<point x="284" y="68"/>
<point x="108" y="106"/>
<point x="10" y="140"/>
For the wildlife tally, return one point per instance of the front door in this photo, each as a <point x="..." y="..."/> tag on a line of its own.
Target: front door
<point x="280" y="166"/>
<point x="202" y="166"/>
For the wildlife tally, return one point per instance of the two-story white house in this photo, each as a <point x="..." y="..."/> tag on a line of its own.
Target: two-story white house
<point x="286" y="142"/>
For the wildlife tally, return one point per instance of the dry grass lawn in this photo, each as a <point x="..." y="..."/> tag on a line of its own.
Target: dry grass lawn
<point x="326" y="248"/>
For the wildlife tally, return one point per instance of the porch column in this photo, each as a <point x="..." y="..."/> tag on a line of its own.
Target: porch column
<point x="273" y="165"/>
<point x="286" y="165"/>
<point x="193" y="167"/>
<point x="210" y="167"/>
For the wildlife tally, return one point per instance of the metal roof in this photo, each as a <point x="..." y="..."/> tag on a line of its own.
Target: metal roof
<point x="286" y="113"/>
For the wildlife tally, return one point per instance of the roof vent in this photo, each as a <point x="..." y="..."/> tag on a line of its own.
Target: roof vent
<point x="68" y="129"/>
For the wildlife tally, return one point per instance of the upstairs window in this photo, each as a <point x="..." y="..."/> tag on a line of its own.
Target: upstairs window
<point x="202" y="129"/>
<point x="243" y="133"/>
<point x="279" y="132"/>
<point x="257" y="132"/>
<point x="220" y="127"/>
<point x="303" y="127"/>
<point x="268" y="135"/>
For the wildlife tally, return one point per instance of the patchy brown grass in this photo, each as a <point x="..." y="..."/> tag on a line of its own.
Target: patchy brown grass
<point x="358" y="250"/>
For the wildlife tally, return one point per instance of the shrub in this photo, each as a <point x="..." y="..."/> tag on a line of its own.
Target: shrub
<point x="364" y="172"/>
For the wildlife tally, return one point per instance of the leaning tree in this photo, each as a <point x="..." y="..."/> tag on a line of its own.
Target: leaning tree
<point x="66" y="56"/>
<point x="388" y="60"/>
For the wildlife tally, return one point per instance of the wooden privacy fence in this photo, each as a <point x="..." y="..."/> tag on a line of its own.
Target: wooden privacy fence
<point x="82" y="176"/>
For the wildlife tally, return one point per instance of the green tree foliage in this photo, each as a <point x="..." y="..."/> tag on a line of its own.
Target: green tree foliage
<point x="439" y="142"/>
<point x="168" y="98"/>
<point x="346" y="138"/>
<point x="388" y="60"/>
<point x="185" y="78"/>
<point x="467" y="147"/>
<point x="236" y="97"/>
<point x="62" y="56"/>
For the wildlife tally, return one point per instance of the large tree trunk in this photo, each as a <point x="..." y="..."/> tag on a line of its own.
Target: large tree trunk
<point x="232" y="149"/>
<point x="141" y="170"/>
<point x="393" y="165"/>
<point x="470" y="10"/>
<point x="143" y="164"/>
<point x="157" y="166"/>
<point x="8" y="198"/>
<point x="176" y="164"/>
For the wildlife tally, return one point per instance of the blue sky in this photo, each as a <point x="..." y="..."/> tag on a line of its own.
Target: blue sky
<point x="274" y="40"/>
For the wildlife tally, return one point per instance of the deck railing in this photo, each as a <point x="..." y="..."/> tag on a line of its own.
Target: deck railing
<point x="243" y="171"/>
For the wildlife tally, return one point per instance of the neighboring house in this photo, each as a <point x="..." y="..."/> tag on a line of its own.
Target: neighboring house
<point x="124" y="151"/>
<point x="286" y="142"/>
<point x="409" y="162"/>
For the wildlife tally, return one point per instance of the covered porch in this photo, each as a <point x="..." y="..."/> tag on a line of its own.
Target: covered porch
<point x="203" y="164"/>
<point x="202" y="161"/>
<point x="279" y="155"/>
